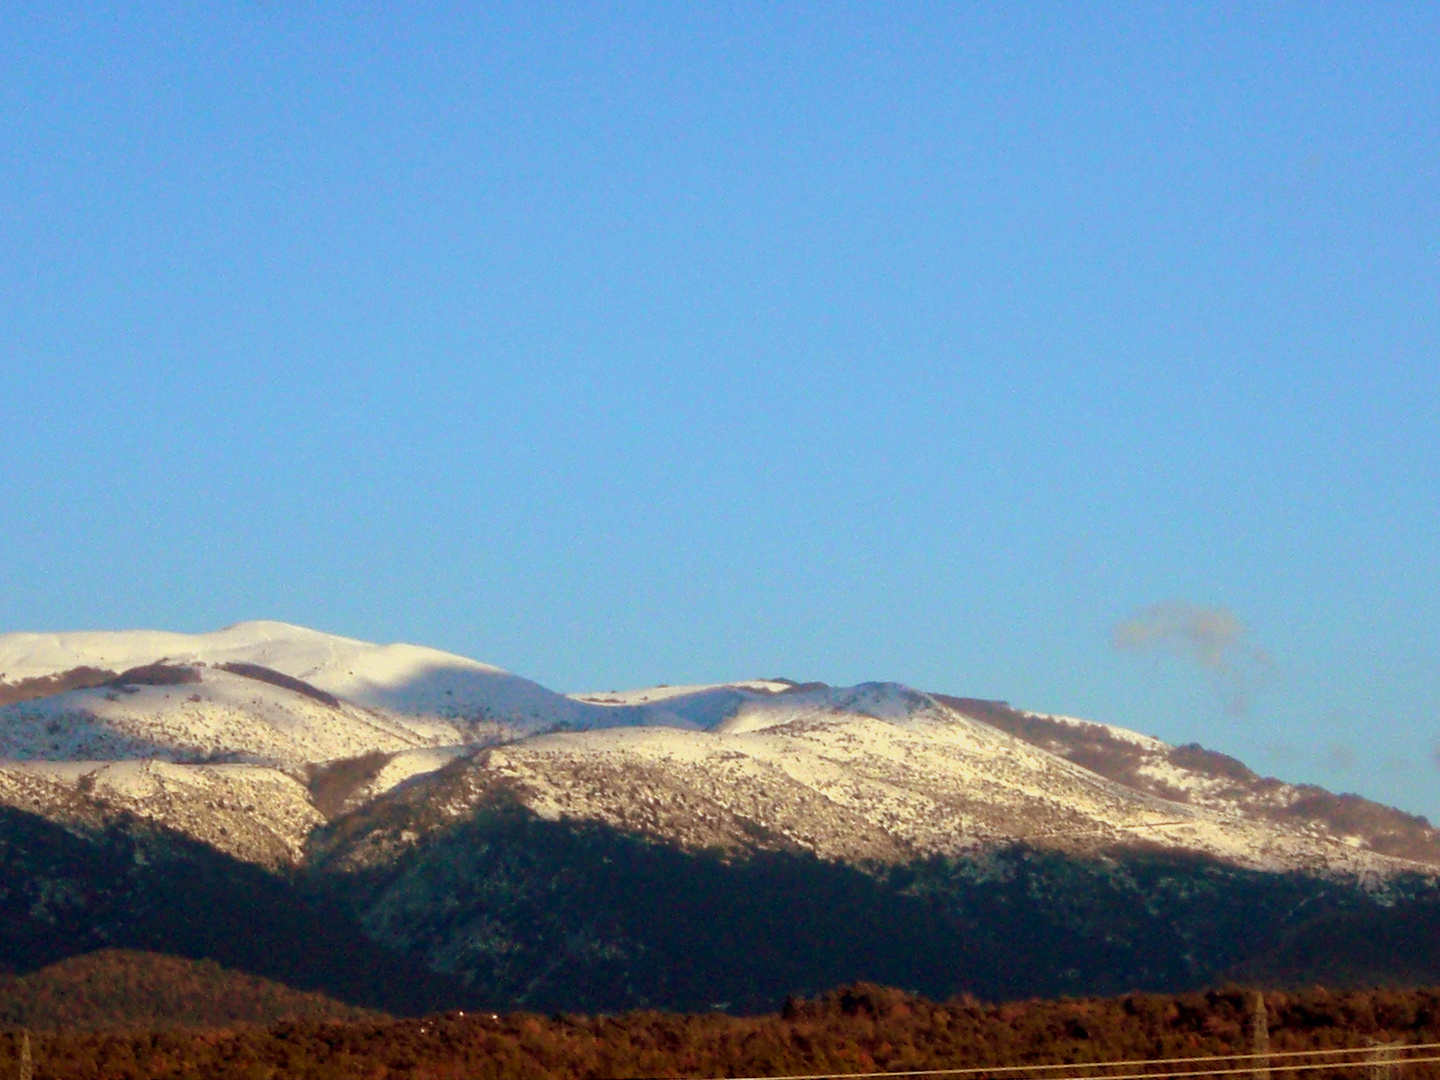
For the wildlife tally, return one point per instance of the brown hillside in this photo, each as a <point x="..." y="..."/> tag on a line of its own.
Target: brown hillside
<point x="264" y="674"/>
<point x="121" y="989"/>
<point x="858" y="1029"/>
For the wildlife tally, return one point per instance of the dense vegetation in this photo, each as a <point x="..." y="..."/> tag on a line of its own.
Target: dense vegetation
<point x="571" y="915"/>
<point x="508" y="911"/>
<point x="1373" y="946"/>
<point x="856" y="1029"/>
<point x="134" y="886"/>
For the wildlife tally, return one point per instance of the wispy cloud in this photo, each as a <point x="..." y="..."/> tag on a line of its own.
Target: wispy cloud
<point x="1340" y="757"/>
<point x="1212" y="638"/>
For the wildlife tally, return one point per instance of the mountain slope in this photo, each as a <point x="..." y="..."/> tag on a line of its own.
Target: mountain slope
<point x="553" y="915"/>
<point x="1203" y="778"/>
<point x="67" y="892"/>
<point x="875" y="773"/>
<point x="256" y="814"/>
<point x="624" y="848"/>
<point x="250" y="737"/>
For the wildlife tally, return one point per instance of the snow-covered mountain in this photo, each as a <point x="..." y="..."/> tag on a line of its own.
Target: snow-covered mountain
<point x="251" y="737"/>
<point x="674" y="846"/>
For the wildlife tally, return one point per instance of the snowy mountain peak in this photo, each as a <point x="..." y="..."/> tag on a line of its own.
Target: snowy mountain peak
<point x="317" y="657"/>
<point x="407" y="679"/>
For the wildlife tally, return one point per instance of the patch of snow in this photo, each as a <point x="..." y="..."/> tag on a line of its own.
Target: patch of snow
<point x="222" y="716"/>
<point x="853" y="785"/>
<point x="649" y="694"/>
<point x="406" y="679"/>
<point x="1148" y="742"/>
<point x="412" y="763"/>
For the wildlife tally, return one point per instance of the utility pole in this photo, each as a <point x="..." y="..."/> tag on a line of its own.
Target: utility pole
<point x="1259" y="1037"/>
<point x="27" y="1064"/>
<point x="1385" y="1061"/>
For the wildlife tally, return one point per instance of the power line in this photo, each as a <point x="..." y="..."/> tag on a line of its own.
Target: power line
<point x="990" y="1070"/>
<point x="1247" y="1069"/>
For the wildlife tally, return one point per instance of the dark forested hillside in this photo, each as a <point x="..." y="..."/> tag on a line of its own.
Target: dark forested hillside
<point x="133" y="886"/>
<point x="1395" y="946"/>
<point x="508" y="910"/>
<point x="579" y="916"/>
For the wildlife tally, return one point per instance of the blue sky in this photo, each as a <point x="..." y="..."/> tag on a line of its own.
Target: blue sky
<point x="1083" y="356"/>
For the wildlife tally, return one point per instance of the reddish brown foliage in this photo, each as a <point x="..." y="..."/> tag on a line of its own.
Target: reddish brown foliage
<point x="41" y="686"/>
<point x="858" y="1028"/>
<point x="264" y="674"/>
<point x="118" y="988"/>
<point x="157" y="674"/>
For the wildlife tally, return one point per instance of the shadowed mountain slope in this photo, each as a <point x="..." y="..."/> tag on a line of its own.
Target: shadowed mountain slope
<point x="134" y="886"/>
<point x="569" y="914"/>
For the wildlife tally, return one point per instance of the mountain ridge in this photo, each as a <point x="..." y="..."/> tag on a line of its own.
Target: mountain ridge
<point x="879" y="770"/>
<point x="504" y="837"/>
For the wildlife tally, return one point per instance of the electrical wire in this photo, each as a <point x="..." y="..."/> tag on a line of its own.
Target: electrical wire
<point x="991" y="1070"/>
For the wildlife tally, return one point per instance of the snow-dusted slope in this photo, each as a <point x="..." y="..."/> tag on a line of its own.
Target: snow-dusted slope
<point x="702" y="707"/>
<point x="877" y="772"/>
<point x="256" y="814"/>
<point x="326" y="724"/>
<point x="653" y="694"/>
<point x="219" y="716"/>
<point x="385" y="698"/>
<point x="275" y="705"/>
